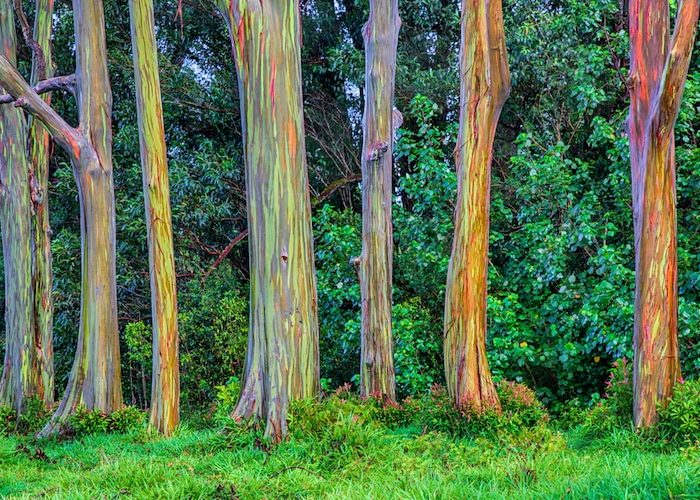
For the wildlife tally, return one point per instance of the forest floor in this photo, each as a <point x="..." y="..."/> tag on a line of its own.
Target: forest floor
<point x="363" y="464"/>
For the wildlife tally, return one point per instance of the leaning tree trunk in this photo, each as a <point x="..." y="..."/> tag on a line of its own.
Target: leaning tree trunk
<point x="95" y="379"/>
<point x="165" y="389"/>
<point x="282" y="362"/>
<point x="19" y="377"/>
<point x="485" y="85"/>
<point x="659" y="68"/>
<point x="39" y="154"/>
<point x="375" y="266"/>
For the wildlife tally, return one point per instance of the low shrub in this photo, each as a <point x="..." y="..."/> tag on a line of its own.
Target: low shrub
<point x="84" y="421"/>
<point x="7" y="420"/>
<point x="679" y="417"/>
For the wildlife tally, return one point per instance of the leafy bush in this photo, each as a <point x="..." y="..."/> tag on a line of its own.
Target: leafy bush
<point x="226" y="399"/>
<point x="7" y="420"/>
<point x="34" y="416"/>
<point x="679" y="418"/>
<point x="84" y="421"/>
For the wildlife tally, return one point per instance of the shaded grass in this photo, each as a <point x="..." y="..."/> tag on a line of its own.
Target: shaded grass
<point x="364" y="462"/>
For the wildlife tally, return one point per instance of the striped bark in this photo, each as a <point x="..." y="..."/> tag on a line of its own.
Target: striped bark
<point x="39" y="149"/>
<point x="659" y="68"/>
<point x="485" y="86"/>
<point x="282" y="362"/>
<point x="165" y="388"/>
<point x="20" y="376"/>
<point x="375" y="265"/>
<point x="95" y="379"/>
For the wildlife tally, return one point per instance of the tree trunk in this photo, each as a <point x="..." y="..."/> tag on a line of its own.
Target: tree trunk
<point x="381" y="35"/>
<point x="39" y="176"/>
<point x="485" y="86"/>
<point x="282" y="362"/>
<point x="165" y="389"/>
<point x="19" y="377"/>
<point x="659" y="68"/>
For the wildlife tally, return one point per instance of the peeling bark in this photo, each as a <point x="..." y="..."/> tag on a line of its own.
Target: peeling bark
<point x="282" y="361"/>
<point x="19" y="376"/>
<point x="659" y="68"/>
<point x="381" y="34"/>
<point x="165" y="388"/>
<point x="485" y="86"/>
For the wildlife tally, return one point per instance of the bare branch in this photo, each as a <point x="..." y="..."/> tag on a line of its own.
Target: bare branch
<point x="24" y="96"/>
<point x="65" y="83"/>
<point x="37" y="51"/>
<point x="677" y="63"/>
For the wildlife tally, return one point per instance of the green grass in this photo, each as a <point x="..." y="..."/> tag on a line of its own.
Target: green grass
<point x="363" y="463"/>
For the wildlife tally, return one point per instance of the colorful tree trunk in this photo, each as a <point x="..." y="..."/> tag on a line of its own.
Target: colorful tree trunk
<point x="282" y="362"/>
<point x="95" y="379"/>
<point x="381" y="34"/>
<point x="485" y="86"/>
<point x="659" y="68"/>
<point x="19" y="377"/>
<point x="165" y="389"/>
<point x="39" y="176"/>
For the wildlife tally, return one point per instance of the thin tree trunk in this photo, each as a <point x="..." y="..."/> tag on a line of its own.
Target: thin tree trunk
<point x="381" y="35"/>
<point x="659" y="68"/>
<point x="19" y="376"/>
<point x="282" y="362"/>
<point x="485" y="86"/>
<point x="39" y="154"/>
<point x="165" y="389"/>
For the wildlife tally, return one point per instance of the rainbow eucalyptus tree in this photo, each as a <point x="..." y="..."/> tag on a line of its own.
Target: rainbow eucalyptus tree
<point x="39" y="149"/>
<point x="95" y="379"/>
<point x="165" y="390"/>
<point x="20" y="376"/>
<point x="659" y="68"/>
<point x="282" y="362"/>
<point x="374" y="267"/>
<point x="484" y="88"/>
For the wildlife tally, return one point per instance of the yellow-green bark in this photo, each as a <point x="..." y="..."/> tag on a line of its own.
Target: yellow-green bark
<point x="19" y="376"/>
<point x="282" y="361"/>
<point x="485" y="85"/>
<point x="381" y="35"/>
<point x="165" y="389"/>
<point x="39" y="155"/>
<point x="659" y="67"/>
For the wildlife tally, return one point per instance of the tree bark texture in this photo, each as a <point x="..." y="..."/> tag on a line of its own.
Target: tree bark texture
<point x="39" y="148"/>
<point x="282" y="361"/>
<point x="484" y="88"/>
<point x="165" y="388"/>
<point x="381" y="34"/>
<point x="20" y="375"/>
<point x="659" y="68"/>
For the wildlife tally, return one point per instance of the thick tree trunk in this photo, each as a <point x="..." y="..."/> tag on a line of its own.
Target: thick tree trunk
<point x="282" y="362"/>
<point x="165" y="388"/>
<point x="39" y="154"/>
<point x="375" y="267"/>
<point x="485" y="85"/>
<point x="659" y="68"/>
<point x="19" y="377"/>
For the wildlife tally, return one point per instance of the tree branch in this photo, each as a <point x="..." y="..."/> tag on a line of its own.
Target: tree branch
<point x="677" y="64"/>
<point x="65" y="83"/>
<point x="24" y="96"/>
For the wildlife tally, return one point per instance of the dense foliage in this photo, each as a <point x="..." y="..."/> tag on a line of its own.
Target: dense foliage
<point x="561" y="278"/>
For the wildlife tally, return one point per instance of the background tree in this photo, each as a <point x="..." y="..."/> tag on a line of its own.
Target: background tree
<point x="20" y="376"/>
<point x="165" y="392"/>
<point x="282" y="362"/>
<point x="40" y="151"/>
<point x="381" y="35"/>
<point x="485" y="85"/>
<point x="659" y="68"/>
<point x="95" y="379"/>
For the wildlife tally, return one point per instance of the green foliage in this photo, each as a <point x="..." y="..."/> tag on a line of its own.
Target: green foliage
<point x="85" y="422"/>
<point x="226" y="398"/>
<point x="679" y="418"/>
<point x="213" y="323"/>
<point x="7" y="420"/>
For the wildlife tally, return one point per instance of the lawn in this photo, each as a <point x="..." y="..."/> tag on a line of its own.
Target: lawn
<point x="361" y="463"/>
